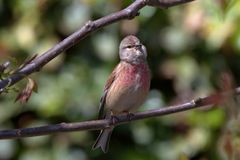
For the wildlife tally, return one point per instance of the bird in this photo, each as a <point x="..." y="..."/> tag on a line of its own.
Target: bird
<point x="126" y="88"/>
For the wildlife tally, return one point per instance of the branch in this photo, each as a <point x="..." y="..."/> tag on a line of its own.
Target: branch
<point x="128" y="13"/>
<point x="166" y="3"/>
<point x="101" y="124"/>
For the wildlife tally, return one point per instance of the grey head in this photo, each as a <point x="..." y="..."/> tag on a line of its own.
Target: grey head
<point x="132" y="51"/>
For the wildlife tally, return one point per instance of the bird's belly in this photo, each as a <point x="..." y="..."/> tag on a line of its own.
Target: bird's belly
<point x="126" y="99"/>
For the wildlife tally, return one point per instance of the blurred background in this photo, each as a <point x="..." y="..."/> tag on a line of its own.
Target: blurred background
<point x="194" y="50"/>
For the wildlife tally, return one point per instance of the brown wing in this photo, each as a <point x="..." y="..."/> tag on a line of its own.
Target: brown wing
<point x="110" y="80"/>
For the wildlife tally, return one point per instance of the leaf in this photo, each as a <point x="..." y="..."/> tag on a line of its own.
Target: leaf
<point x="4" y="66"/>
<point x="26" y="93"/>
<point x="226" y="81"/>
<point x="228" y="146"/>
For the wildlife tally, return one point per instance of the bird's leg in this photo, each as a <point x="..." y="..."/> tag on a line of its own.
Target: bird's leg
<point x="129" y="115"/>
<point x="113" y="118"/>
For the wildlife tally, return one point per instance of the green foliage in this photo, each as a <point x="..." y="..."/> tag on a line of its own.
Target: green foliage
<point x="190" y="47"/>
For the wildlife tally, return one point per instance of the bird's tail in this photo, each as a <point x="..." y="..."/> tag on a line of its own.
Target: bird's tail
<point x="103" y="140"/>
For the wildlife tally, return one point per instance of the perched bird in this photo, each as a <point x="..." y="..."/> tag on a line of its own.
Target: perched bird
<point x="127" y="86"/>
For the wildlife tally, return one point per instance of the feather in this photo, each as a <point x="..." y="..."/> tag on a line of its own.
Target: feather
<point x="109" y="83"/>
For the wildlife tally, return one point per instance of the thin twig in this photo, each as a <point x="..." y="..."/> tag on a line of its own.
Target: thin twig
<point x="128" y="13"/>
<point x="100" y="124"/>
<point x="166" y="3"/>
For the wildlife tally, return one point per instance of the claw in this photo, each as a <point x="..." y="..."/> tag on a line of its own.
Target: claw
<point x="129" y="115"/>
<point x="113" y="118"/>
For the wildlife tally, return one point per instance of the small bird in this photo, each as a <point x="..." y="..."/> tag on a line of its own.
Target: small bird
<point x="126" y="88"/>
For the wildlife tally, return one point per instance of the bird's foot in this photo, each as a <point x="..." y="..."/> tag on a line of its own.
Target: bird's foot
<point x="114" y="119"/>
<point x="129" y="115"/>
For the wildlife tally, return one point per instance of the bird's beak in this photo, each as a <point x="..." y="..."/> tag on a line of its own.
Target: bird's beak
<point x="138" y="46"/>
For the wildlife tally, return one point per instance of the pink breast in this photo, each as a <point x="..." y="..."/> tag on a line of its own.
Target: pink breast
<point x="129" y="89"/>
<point x="137" y="75"/>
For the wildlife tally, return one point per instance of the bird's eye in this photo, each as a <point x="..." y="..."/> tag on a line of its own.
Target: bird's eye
<point x="128" y="47"/>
